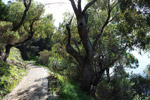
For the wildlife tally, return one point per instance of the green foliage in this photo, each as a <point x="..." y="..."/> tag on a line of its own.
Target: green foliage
<point x="46" y="27"/>
<point x="44" y="56"/>
<point x="15" y="55"/>
<point x="4" y="11"/>
<point x="142" y="84"/>
<point x="7" y="36"/>
<point x="59" y="61"/>
<point x="138" y="97"/>
<point x="42" y="40"/>
<point x="70" y="90"/>
<point x="9" y="77"/>
<point x="116" y="89"/>
<point x="12" y="73"/>
<point x="147" y="70"/>
<point x="16" y="11"/>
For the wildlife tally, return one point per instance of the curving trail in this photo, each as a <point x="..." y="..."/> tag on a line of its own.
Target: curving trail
<point x="34" y="86"/>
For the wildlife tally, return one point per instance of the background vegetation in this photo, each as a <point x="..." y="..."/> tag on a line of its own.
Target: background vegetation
<point x="87" y="52"/>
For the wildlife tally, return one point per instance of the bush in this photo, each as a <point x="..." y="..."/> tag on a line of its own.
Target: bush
<point x="70" y="90"/>
<point x="138" y="97"/>
<point x="117" y="89"/>
<point x="142" y="84"/>
<point x="44" y="57"/>
<point x="59" y="61"/>
<point x="9" y="77"/>
<point x="11" y="72"/>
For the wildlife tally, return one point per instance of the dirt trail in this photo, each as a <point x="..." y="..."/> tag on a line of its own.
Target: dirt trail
<point x="34" y="86"/>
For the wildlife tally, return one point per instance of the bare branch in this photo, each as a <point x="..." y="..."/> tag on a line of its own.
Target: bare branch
<point x="98" y="74"/>
<point x="88" y="5"/>
<point x="77" y="46"/>
<point x="79" y="5"/>
<point x="69" y="48"/>
<point x="25" y="3"/>
<point x="74" y="7"/>
<point x="113" y="17"/>
<point x="102" y="29"/>
<point x="26" y="28"/>
<point x="31" y="32"/>
<point x="108" y="20"/>
<point x="117" y="57"/>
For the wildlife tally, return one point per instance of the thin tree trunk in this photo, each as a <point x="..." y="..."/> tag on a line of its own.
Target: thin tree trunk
<point x="108" y="76"/>
<point x="8" y="47"/>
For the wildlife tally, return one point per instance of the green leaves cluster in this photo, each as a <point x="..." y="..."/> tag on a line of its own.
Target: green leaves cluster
<point x="10" y="75"/>
<point x="70" y="90"/>
<point x="4" y="11"/>
<point x="117" y="89"/>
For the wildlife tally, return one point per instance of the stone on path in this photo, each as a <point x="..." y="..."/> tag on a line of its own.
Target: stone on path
<point x="34" y="86"/>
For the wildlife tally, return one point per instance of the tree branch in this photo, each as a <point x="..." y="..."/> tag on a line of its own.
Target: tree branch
<point x="115" y="5"/>
<point x="113" y="17"/>
<point x="108" y="20"/>
<point x="69" y="48"/>
<point x="79" y="5"/>
<point x="31" y="32"/>
<point x="117" y="57"/>
<point x="27" y="6"/>
<point x="74" y="7"/>
<point x="76" y="45"/>
<point x="98" y="74"/>
<point x="102" y="29"/>
<point x="88" y="5"/>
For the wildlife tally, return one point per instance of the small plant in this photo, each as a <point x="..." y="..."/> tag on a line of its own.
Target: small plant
<point x="69" y="89"/>
<point x="11" y="73"/>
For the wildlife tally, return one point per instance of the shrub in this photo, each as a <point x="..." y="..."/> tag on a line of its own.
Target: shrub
<point x="59" y="61"/>
<point x="44" y="57"/>
<point x="11" y="72"/>
<point x="117" y="89"/>
<point x="9" y="77"/>
<point x="142" y="84"/>
<point x="70" y="89"/>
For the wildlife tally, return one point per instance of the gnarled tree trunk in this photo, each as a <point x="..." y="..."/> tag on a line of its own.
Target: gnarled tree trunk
<point x="88" y="75"/>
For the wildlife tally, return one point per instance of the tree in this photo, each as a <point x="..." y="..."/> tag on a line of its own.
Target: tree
<point x="85" y="62"/>
<point x="110" y="32"/>
<point x="41" y="41"/>
<point x="22" y="23"/>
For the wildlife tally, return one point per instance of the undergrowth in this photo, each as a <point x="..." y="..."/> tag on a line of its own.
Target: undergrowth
<point x="10" y="74"/>
<point x="68" y="89"/>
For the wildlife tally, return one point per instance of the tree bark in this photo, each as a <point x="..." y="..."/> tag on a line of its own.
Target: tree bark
<point x="85" y="62"/>
<point x="8" y="47"/>
<point x="108" y="75"/>
<point x="87" y="77"/>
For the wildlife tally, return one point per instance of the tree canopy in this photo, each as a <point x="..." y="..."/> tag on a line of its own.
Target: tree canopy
<point x="93" y="46"/>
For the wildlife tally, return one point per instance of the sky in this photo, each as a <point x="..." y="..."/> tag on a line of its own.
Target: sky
<point x="143" y="59"/>
<point x="58" y="7"/>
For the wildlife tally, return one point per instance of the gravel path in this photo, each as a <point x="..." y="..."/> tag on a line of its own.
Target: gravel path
<point x="34" y="86"/>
